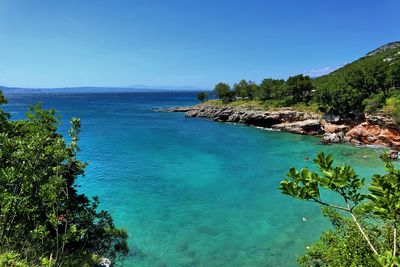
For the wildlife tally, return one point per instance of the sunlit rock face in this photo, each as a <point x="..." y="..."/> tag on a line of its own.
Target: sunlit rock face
<point x="376" y="130"/>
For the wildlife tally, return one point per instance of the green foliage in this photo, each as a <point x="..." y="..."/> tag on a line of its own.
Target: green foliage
<point x="306" y="184"/>
<point x="345" y="90"/>
<point x="369" y="235"/>
<point x="393" y="75"/>
<point x="385" y="193"/>
<point x="393" y="108"/>
<point x="223" y="92"/>
<point x="3" y="100"/>
<point x="43" y="218"/>
<point x="374" y="103"/>
<point x="299" y="89"/>
<point x="4" y="116"/>
<point x="245" y="89"/>
<point x="12" y="259"/>
<point x="337" y="97"/>
<point x="387" y="259"/>
<point x="202" y="96"/>
<point x="361" y="86"/>
<point x="269" y="89"/>
<point x="343" y="245"/>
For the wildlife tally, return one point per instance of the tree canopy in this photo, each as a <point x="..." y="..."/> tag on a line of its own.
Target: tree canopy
<point x="223" y="91"/>
<point x="202" y="96"/>
<point x="245" y="89"/>
<point x="44" y="220"/>
<point x="345" y="90"/>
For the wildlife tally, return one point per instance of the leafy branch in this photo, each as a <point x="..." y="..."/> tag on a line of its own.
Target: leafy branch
<point x="383" y="199"/>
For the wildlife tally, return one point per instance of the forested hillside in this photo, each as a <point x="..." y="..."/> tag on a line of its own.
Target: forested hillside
<point x="364" y="84"/>
<point x="370" y="84"/>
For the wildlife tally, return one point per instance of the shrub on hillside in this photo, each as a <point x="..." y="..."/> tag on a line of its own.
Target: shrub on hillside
<point x="393" y="108"/>
<point x="374" y="103"/>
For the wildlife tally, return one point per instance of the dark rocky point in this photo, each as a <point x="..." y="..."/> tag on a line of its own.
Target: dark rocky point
<point x="359" y="130"/>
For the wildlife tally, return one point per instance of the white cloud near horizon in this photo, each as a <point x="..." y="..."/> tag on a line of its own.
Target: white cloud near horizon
<point x="321" y="71"/>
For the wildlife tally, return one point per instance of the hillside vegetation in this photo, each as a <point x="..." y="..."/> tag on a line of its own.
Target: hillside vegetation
<point x="362" y="85"/>
<point x="370" y="84"/>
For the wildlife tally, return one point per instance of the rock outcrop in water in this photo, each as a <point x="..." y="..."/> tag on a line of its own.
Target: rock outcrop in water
<point x="375" y="130"/>
<point x="104" y="262"/>
<point x="175" y="109"/>
<point x="288" y="120"/>
<point x="362" y="130"/>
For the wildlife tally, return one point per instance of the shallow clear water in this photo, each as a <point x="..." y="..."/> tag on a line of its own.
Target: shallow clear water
<point x="192" y="192"/>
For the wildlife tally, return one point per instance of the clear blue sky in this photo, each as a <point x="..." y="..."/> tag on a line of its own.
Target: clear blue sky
<point x="186" y="42"/>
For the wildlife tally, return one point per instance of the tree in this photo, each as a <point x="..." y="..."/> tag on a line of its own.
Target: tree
<point x="374" y="103"/>
<point x="393" y="76"/>
<point x="299" y="89"/>
<point x="245" y="89"/>
<point x="223" y="92"/>
<point x="43" y="218"/>
<point x="381" y="203"/>
<point x="337" y="97"/>
<point x="268" y="89"/>
<point x="393" y="108"/>
<point x="202" y="96"/>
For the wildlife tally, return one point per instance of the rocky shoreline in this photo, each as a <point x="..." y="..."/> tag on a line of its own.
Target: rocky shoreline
<point x="364" y="130"/>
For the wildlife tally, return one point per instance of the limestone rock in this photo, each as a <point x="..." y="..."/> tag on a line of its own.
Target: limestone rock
<point x="393" y="154"/>
<point x="385" y="47"/>
<point x="374" y="134"/>
<point x="249" y="116"/>
<point x="309" y="127"/>
<point x="104" y="262"/>
<point x="331" y="138"/>
<point x="358" y="129"/>
<point x="174" y="109"/>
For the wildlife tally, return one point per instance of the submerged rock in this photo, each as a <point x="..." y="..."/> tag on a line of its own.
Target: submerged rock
<point x="332" y="138"/>
<point x="393" y="154"/>
<point x="174" y="109"/>
<point x="104" y="262"/>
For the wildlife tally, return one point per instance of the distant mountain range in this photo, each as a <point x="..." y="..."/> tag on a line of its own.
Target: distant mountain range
<point x="94" y="89"/>
<point x="388" y="53"/>
<point x="170" y="87"/>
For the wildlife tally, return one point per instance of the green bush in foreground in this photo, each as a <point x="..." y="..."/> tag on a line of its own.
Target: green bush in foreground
<point x="12" y="259"/>
<point x="44" y="221"/>
<point x="365" y="225"/>
<point x="343" y="245"/>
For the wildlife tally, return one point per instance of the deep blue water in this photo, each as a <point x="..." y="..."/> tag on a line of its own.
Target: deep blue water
<point x="193" y="192"/>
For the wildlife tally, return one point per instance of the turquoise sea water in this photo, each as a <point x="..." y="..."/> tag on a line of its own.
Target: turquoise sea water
<point x="193" y="192"/>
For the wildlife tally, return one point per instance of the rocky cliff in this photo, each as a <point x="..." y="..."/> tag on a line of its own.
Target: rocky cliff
<point x="365" y="130"/>
<point x="385" y="47"/>
<point x="375" y="130"/>
<point x="285" y="119"/>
